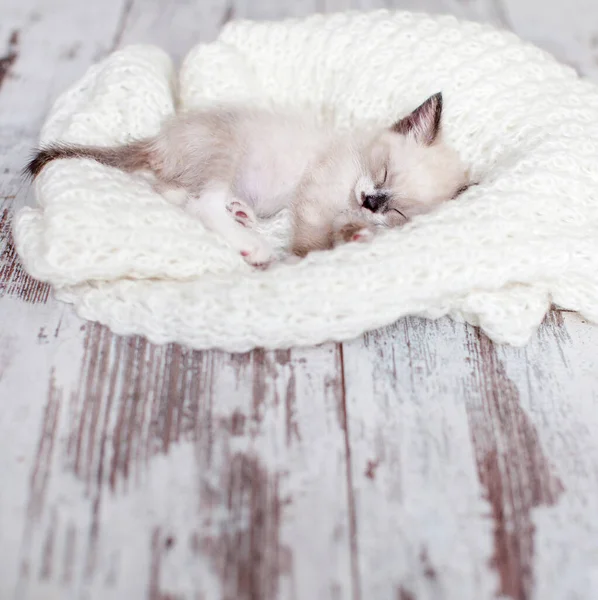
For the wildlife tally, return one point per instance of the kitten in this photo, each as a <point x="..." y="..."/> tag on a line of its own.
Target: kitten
<point x="229" y="166"/>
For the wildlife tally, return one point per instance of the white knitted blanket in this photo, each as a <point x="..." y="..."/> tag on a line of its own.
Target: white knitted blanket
<point x="498" y="256"/>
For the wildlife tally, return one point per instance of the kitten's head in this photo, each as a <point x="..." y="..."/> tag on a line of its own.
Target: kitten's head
<point x="408" y="169"/>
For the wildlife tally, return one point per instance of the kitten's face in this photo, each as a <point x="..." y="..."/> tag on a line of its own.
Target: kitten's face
<point x="408" y="170"/>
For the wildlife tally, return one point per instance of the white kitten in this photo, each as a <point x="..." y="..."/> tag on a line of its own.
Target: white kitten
<point x="230" y="165"/>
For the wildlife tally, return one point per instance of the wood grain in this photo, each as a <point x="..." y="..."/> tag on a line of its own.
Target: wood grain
<point x="176" y="25"/>
<point x="245" y="488"/>
<point x="8" y="60"/>
<point x="14" y="281"/>
<point x="452" y="427"/>
<point x="512" y="467"/>
<point x="419" y="499"/>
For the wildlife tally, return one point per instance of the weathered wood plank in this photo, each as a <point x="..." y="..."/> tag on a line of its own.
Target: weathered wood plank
<point x="8" y="60"/>
<point x="452" y="465"/>
<point x="14" y="281"/>
<point x="565" y="29"/>
<point x="421" y="525"/>
<point x="41" y="63"/>
<point x="175" y="25"/>
<point x="513" y="468"/>
<point x="144" y="481"/>
<point x="556" y="377"/>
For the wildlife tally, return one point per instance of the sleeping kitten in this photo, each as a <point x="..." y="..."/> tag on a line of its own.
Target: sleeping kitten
<point x="228" y="166"/>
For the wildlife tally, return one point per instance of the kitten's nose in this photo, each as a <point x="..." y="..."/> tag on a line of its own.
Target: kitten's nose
<point x="374" y="202"/>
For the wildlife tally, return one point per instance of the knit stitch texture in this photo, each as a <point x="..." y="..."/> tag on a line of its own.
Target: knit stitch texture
<point x="496" y="257"/>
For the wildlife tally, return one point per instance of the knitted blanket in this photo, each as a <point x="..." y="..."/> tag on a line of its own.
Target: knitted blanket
<point x="524" y="238"/>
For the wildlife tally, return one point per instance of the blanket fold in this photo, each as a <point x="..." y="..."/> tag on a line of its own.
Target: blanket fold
<point x="525" y="237"/>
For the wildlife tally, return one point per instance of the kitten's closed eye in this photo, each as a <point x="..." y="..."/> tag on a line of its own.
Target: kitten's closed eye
<point x="383" y="177"/>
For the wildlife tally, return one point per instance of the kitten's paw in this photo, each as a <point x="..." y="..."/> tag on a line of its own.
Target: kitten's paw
<point x="258" y="254"/>
<point x="354" y="232"/>
<point x="175" y="195"/>
<point x="242" y="213"/>
<point x="362" y="235"/>
<point x="291" y="259"/>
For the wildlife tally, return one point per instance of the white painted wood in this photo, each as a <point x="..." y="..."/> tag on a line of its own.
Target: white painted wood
<point x="423" y="526"/>
<point x="44" y="64"/>
<point x="273" y="10"/>
<point x="147" y="484"/>
<point x="474" y="472"/>
<point x="557" y="376"/>
<point x="175" y="25"/>
<point x="568" y="30"/>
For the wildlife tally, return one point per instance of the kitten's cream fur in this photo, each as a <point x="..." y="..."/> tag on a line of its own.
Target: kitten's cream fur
<point x="230" y="165"/>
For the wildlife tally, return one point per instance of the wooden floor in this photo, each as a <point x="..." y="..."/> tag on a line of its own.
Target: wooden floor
<point x="419" y="462"/>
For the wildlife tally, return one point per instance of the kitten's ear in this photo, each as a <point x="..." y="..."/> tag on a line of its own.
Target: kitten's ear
<point x="423" y="124"/>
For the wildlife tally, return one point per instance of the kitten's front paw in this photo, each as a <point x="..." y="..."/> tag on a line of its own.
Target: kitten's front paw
<point x="258" y="254"/>
<point x="362" y="235"/>
<point x="291" y="259"/>
<point x="354" y="232"/>
<point x="242" y="213"/>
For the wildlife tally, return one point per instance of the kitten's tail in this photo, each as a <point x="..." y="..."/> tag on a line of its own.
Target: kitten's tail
<point x="130" y="157"/>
